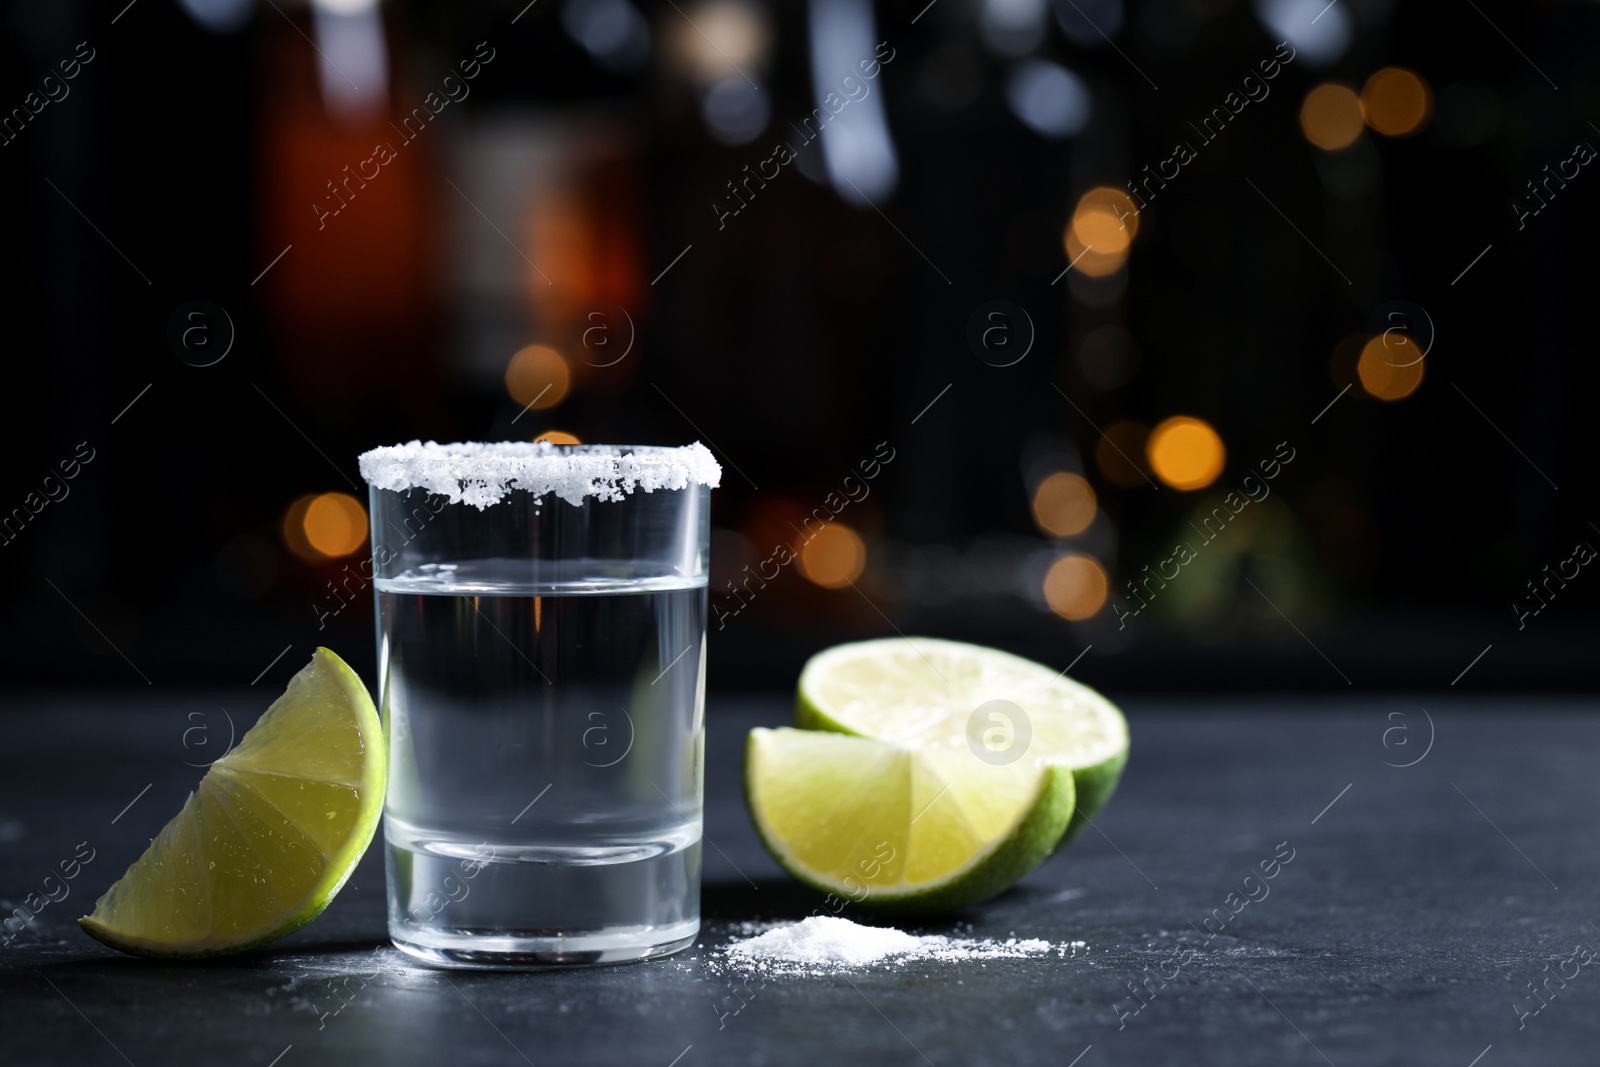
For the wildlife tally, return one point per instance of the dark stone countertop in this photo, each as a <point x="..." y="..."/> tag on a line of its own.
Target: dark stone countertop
<point x="1406" y="930"/>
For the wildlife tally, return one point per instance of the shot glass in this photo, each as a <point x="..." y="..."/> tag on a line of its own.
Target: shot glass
<point x="541" y="672"/>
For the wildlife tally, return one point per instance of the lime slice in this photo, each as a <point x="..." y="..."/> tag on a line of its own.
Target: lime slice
<point x="896" y="828"/>
<point x="924" y="692"/>
<point x="273" y="831"/>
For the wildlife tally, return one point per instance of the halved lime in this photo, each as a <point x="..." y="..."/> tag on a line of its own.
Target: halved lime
<point x="900" y="829"/>
<point x="925" y="692"/>
<point x="270" y="835"/>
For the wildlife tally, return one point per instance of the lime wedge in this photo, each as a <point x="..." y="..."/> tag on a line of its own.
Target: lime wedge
<point x="270" y="835"/>
<point x="900" y="829"/>
<point x="927" y="693"/>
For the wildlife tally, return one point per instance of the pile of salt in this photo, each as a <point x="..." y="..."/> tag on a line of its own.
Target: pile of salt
<point x="826" y="944"/>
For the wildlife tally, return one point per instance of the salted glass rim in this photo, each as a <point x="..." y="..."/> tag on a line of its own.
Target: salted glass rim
<point x="483" y="473"/>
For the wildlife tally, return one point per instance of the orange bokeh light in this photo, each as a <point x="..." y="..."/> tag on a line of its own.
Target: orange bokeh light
<point x="834" y="557"/>
<point x="1186" y="452"/>
<point x="1075" y="587"/>
<point x="1388" y="372"/>
<point x="1092" y="261"/>
<point x="294" y="529"/>
<point x="537" y="377"/>
<point x="335" y="524"/>
<point x="558" y="437"/>
<point x="1106" y="220"/>
<point x="323" y="526"/>
<point x="1330" y="116"/>
<point x="1396" y="102"/>
<point x="1064" y="504"/>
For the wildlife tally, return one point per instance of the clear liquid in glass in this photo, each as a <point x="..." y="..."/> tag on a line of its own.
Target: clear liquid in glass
<point x="546" y="752"/>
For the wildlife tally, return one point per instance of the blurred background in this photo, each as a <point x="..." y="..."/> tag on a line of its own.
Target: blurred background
<point x="1215" y="344"/>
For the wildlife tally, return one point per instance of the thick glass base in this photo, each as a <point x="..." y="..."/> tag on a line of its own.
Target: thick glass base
<point x="499" y="949"/>
<point x="521" y="904"/>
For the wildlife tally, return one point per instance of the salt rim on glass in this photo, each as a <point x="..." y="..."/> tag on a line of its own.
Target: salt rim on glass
<point x="482" y="474"/>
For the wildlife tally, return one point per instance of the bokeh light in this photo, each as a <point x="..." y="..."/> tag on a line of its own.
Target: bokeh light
<point x="1091" y="23"/>
<point x="613" y="32"/>
<point x="558" y="437"/>
<point x="1330" y="116"/>
<point x="335" y="524"/>
<point x="834" y="557"/>
<point x="294" y="529"/>
<point x="537" y="377"/>
<point x="345" y="7"/>
<point x="735" y="111"/>
<point x="1049" y="98"/>
<point x="1101" y="231"/>
<point x="1318" y="31"/>
<point x="1186" y="452"/>
<point x="718" y="38"/>
<point x="773" y="521"/>
<point x="1396" y="102"/>
<point x="1064" y="504"/>
<point x="1075" y="587"/>
<point x="1120" y="453"/>
<point x="1389" y="373"/>
<point x="1090" y="261"/>
<point x="1106" y="220"/>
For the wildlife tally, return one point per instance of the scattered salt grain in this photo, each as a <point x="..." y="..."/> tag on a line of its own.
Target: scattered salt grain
<point x="825" y="944"/>
<point x="482" y="474"/>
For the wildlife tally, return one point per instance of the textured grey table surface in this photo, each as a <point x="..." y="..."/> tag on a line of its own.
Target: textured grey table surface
<point x="1439" y="913"/>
